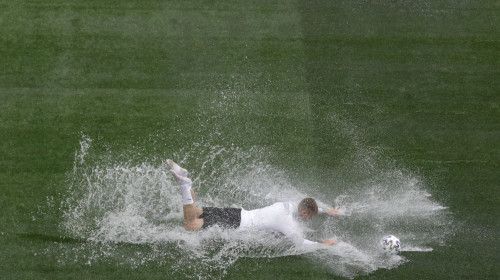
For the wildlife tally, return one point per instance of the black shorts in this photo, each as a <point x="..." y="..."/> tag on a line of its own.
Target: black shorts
<point x="223" y="217"/>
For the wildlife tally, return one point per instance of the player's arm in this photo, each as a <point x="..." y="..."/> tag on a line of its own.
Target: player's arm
<point x="326" y="242"/>
<point x="331" y="212"/>
<point x="329" y="242"/>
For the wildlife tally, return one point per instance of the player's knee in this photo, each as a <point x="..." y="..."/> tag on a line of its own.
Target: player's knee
<point x="189" y="227"/>
<point x="192" y="226"/>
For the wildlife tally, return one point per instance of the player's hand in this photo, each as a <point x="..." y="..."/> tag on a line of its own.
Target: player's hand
<point x="329" y="242"/>
<point x="334" y="212"/>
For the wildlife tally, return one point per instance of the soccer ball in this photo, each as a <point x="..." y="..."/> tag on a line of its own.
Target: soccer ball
<point x="391" y="244"/>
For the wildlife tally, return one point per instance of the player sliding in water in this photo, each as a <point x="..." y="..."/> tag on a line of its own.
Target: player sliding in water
<point x="279" y="217"/>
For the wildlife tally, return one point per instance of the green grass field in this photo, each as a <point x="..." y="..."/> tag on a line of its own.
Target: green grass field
<point x="311" y="82"/>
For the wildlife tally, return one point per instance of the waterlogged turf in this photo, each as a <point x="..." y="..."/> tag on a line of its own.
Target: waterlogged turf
<point x="387" y="110"/>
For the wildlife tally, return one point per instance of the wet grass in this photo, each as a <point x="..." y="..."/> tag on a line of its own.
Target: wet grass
<point x="417" y="81"/>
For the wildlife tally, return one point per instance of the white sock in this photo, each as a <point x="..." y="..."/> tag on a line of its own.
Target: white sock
<point x="186" y="195"/>
<point x="185" y="184"/>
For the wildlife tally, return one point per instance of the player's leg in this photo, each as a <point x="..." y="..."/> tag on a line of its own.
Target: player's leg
<point x="191" y="212"/>
<point x="191" y="220"/>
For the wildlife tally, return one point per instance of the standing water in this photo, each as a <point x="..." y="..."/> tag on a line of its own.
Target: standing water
<point x="131" y="214"/>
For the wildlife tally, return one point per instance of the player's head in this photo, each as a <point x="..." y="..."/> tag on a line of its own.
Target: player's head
<point x="307" y="208"/>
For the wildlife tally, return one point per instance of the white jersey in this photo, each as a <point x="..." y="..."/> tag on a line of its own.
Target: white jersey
<point x="280" y="216"/>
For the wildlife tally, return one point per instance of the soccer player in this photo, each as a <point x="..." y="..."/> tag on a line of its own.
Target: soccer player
<point x="278" y="217"/>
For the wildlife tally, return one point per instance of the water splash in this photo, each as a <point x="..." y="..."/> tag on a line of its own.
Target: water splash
<point x="131" y="214"/>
